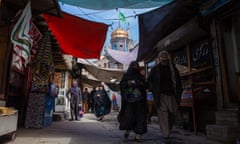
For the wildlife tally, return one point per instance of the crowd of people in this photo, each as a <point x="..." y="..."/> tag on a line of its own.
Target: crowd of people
<point x="97" y="101"/>
<point x="140" y="95"/>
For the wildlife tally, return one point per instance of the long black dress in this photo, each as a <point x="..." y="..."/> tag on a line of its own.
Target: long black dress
<point x="102" y="103"/>
<point x="133" y="113"/>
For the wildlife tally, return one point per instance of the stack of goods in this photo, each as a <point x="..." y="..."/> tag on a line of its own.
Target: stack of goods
<point x="7" y="111"/>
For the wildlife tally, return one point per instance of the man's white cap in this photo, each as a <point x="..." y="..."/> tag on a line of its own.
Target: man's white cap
<point x="163" y="53"/>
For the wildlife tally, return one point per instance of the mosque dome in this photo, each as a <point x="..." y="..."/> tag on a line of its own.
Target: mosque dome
<point x="119" y="33"/>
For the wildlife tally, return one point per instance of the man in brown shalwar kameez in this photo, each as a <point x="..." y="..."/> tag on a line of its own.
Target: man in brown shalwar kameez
<point x="165" y="83"/>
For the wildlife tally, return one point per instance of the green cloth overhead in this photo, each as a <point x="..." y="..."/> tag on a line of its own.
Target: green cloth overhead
<point x="112" y="4"/>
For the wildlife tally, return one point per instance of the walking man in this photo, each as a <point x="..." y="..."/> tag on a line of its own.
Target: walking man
<point x="165" y="83"/>
<point x="75" y="99"/>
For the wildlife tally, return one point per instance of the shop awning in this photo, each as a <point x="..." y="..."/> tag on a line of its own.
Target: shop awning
<point x="182" y="36"/>
<point x="156" y="24"/>
<point x="106" y="75"/>
<point x="76" y="36"/>
<point x="112" y="4"/>
<point x="88" y="82"/>
<point x="96" y="75"/>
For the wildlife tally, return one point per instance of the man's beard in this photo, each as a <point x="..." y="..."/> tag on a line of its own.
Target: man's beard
<point x="164" y="63"/>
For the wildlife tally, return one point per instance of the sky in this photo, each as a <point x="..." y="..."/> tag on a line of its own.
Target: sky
<point x="111" y="18"/>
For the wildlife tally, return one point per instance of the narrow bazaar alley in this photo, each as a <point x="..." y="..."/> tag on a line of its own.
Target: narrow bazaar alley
<point x="91" y="71"/>
<point x="90" y="131"/>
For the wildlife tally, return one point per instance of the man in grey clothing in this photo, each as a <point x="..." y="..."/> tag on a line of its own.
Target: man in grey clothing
<point x="75" y="99"/>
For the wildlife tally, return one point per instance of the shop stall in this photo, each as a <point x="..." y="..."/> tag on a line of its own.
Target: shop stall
<point x="195" y="63"/>
<point x="8" y="120"/>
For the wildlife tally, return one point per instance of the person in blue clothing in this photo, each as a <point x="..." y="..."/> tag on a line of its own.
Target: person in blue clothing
<point x="114" y="101"/>
<point x="75" y="99"/>
<point x="102" y="103"/>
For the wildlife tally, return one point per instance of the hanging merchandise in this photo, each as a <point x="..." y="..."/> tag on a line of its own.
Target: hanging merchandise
<point x="38" y="100"/>
<point x="35" y="110"/>
<point x="36" y="36"/>
<point x="24" y="37"/>
<point x="21" y="39"/>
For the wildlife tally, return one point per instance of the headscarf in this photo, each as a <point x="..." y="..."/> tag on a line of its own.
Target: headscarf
<point x="133" y="68"/>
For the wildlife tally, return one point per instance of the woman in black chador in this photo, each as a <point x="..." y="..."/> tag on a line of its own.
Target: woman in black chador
<point x="133" y="113"/>
<point x="102" y="103"/>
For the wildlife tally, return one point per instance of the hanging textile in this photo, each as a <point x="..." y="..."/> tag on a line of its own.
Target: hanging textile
<point x="35" y="110"/>
<point x="158" y="23"/>
<point x="122" y="56"/>
<point x="21" y="39"/>
<point x="36" y="36"/>
<point x="78" y="37"/>
<point x="42" y="70"/>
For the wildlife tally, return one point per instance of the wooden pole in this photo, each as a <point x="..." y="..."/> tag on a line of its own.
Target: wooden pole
<point x="238" y="90"/>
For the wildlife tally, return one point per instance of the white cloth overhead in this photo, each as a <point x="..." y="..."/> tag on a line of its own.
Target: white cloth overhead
<point x="124" y="57"/>
<point x="105" y="75"/>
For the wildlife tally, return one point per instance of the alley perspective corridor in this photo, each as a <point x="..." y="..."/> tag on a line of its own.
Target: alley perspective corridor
<point x="90" y="131"/>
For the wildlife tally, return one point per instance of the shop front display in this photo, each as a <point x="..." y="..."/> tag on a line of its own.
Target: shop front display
<point x="42" y="70"/>
<point x="196" y="69"/>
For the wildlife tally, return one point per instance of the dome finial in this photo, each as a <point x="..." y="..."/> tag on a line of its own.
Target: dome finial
<point x="119" y="33"/>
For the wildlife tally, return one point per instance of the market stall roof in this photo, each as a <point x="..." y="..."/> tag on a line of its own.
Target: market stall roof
<point x="76" y="36"/>
<point x="87" y="82"/>
<point x="105" y="75"/>
<point x="38" y="6"/>
<point x="112" y="4"/>
<point x="156" y="24"/>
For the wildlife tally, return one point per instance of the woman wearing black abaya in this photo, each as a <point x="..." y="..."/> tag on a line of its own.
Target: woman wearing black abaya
<point x="133" y="113"/>
<point x="102" y="103"/>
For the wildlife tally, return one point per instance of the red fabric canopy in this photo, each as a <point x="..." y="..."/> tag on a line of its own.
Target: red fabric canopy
<point x="76" y="36"/>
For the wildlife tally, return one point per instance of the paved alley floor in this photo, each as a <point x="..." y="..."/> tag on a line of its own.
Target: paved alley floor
<point x="90" y="131"/>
